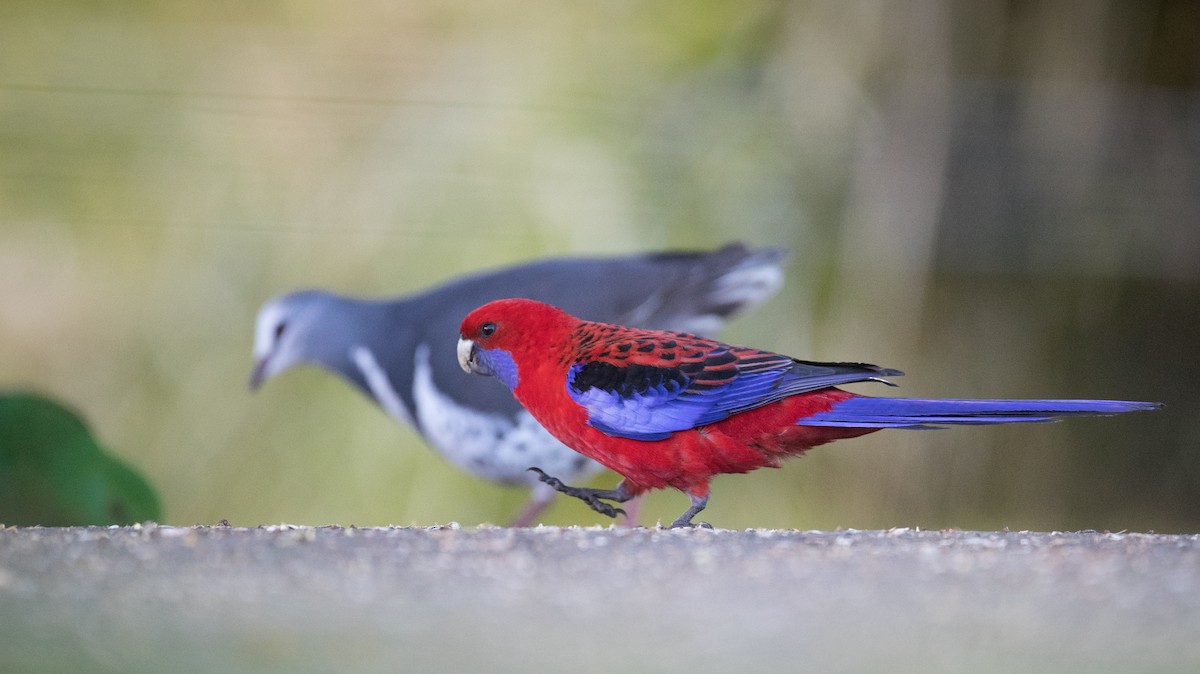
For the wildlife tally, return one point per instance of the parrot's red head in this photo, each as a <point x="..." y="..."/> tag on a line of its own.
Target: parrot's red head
<point x="494" y="337"/>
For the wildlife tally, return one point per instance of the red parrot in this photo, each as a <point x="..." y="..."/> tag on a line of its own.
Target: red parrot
<point x="670" y="409"/>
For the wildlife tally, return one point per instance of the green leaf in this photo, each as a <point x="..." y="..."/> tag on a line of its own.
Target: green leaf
<point x="53" y="473"/>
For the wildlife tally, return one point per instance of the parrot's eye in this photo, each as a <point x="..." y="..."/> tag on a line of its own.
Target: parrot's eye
<point x="487" y="329"/>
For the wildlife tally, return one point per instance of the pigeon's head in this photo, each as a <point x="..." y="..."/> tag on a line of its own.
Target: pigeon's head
<point x="288" y="332"/>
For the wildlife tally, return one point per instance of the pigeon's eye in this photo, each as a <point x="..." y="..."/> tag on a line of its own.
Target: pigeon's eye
<point x="487" y="329"/>
<point x="279" y="330"/>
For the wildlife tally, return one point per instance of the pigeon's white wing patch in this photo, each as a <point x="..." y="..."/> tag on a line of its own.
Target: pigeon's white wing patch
<point x="491" y="446"/>
<point x="381" y="386"/>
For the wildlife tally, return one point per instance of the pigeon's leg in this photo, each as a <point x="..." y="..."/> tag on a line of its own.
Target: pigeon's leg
<point x="592" y="497"/>
<point x="685" y="520"/>
<point x="540" y="497"/>
<point x="632" y="507"/>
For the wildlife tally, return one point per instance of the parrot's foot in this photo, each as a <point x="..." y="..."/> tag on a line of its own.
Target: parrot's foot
<point x="592" y="497"/>
<point x="690" y="525"/>
<point x="685" y="520"/>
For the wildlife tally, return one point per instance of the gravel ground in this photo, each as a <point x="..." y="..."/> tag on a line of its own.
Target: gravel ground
<point x="296" y="599"/>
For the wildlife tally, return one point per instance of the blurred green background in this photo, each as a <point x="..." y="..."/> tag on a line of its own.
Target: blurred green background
<point x="1000" y="198"/>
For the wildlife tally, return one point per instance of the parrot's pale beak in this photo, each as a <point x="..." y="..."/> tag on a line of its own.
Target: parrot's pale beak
<point x="468" y="358"/>
<point x="259" y="375"/>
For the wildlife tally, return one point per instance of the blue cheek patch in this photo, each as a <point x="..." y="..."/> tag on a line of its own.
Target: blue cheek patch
<point x="502" y="365"/>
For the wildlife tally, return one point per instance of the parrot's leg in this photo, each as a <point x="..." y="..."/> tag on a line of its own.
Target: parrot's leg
<point x="685" y="520"/>
<point x="592" y="497"/>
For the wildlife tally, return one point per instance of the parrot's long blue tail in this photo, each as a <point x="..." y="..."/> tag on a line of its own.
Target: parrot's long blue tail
<point x="919" y="413"/>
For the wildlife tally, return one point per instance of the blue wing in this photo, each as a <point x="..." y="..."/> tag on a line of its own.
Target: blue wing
<point x="652" y="401"/>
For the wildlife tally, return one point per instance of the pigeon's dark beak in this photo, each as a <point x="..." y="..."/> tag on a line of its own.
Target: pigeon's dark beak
<point x="468" y="358"/>
<point x="258" y="376"/>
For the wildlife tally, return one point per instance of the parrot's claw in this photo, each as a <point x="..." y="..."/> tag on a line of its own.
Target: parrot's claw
<point x="592" y="497"/>
<point x="690" y="525"/>
<point x="685" y="520"/>
<point x="602" y="507"/>
<point x="554" y="482"/>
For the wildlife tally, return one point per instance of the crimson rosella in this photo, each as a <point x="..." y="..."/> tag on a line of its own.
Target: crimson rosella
<point x="671" y="409"/>
<point x="393" y="351"/>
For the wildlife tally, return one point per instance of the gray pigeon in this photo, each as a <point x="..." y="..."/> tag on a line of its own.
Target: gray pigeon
<point x="400" y="352"/>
